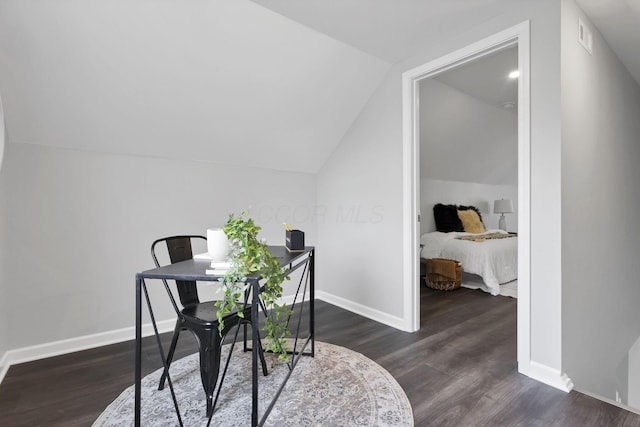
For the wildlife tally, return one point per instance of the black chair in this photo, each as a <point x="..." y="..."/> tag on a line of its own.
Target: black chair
<point x="199" y="318"/>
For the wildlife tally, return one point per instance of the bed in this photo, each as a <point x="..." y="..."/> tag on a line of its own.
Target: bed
<point x="490" y="254"/>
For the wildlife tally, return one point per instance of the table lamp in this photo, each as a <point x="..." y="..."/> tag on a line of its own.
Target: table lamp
<point x="502" y="206"/>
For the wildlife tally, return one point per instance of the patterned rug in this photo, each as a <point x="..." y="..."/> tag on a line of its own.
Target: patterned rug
<point x="337" y="387"/>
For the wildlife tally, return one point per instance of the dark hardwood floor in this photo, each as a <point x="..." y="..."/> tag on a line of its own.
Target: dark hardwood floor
<point x="458" y="370"/>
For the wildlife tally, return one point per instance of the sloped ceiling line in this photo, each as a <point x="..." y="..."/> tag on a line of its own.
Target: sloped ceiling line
<point x="214" y="81"/>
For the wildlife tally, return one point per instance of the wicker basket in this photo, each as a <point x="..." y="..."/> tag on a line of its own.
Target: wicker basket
<point x="443" y="274"/>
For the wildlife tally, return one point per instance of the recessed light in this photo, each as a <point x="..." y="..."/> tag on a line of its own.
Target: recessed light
<point x="514" y="74"/>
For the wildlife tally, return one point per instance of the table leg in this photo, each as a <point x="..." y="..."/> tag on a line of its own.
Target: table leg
<point x="255" y="330"/>
<point x="138" y="361"/>
<point x="312" y="299"/>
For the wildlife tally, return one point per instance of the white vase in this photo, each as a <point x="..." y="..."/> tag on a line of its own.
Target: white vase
<point x="217" y="244"/>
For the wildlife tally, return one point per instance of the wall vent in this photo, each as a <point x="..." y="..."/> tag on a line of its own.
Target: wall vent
<point x="585" y="36"/>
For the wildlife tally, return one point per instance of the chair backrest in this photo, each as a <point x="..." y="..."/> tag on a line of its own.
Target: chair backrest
<point x="179" y="249"/>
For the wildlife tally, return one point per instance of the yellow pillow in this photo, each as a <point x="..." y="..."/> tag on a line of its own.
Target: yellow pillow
<point x="471" y="221"/>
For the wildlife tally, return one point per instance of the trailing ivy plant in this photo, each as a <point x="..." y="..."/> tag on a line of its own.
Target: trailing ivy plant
<point x="251" y="257"/>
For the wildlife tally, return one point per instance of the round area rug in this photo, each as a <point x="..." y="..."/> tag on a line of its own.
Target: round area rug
<point x="337" y="387"/>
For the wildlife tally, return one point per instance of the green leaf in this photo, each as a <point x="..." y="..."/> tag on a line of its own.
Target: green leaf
<point x="249" y="257"/>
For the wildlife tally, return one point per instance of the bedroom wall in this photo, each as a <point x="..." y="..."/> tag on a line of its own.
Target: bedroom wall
<point x="465" y="139"/>
<point x="600" y="205"/>
<point x="362" y="261"/>
<point x="433" y="191"/>
<point x="474" y="163"/>
<point x="82" y="224"/>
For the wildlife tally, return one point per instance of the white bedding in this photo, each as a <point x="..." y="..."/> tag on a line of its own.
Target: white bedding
<point x="495" y="260"/>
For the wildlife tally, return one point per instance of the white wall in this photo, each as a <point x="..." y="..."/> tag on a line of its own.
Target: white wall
<point x="482" y="196"/>
<point x="80" y="225"/>
<point x="600" y="205"/>
<point x="363" y="262"/>
<point x="4" y="325"/>
<point x="633" y="380"/>
<point x="468" y="153"/>
<point x="361" y="255"/>
<point x="465" y="139"/>
<point x="4" y="285"/>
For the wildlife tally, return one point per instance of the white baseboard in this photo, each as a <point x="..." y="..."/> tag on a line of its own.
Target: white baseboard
<point x="548" y="376"/>
<point x="288" y="299"/>
<point x="4" y="366"/>
<point x="71" y="345"/>
<point x="609" y="401"/>
<point x="363" y="310"/>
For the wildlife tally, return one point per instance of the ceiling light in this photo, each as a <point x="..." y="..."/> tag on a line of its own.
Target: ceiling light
<point x="514" y="74"/>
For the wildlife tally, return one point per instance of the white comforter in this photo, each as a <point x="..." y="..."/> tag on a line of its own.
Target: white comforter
<point x="496" y="260"/>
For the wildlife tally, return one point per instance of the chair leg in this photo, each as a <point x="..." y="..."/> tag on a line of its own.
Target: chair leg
<point x="210" y="344"/>
<point x="172" y="349"/>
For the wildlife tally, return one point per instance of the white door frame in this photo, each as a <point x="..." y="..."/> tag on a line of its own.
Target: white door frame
<point x="516" y="35"/>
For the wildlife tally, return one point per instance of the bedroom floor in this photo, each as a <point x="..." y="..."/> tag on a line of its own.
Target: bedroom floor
<point x="463" y="371"/>
<point x="459" y="369"/>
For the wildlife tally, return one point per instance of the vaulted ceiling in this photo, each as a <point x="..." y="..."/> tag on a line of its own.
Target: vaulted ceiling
<point x="394" y="30"/>
<point x="262" y="83"/>
<point x="389" y="29"/>
<point x="220" y="81"/>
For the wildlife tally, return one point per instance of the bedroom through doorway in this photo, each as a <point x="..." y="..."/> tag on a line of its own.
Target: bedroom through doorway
<point x="468" y="127"/>
<point x="473" y="166"/>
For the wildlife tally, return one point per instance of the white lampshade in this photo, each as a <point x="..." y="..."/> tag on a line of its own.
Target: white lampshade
<point x="503" y="206"/>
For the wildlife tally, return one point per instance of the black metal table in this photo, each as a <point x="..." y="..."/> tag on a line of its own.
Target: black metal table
<point x="195" y="270"/>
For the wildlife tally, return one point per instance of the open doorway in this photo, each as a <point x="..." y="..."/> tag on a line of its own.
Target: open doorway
<point x="468" y="126"/>
<point x="514" y="38"/>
